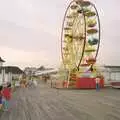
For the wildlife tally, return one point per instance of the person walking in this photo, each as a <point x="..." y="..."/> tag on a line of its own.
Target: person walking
<point x="1" y="88"/>
<point x="35" y="83"/>
<point x="97" y="80"/>
<point x="6" y="96"/>
<point x="30" y="84"/>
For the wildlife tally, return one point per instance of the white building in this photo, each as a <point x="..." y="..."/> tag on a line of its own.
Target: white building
<point x="112" y="73"/>
<point x="9" y="73"/>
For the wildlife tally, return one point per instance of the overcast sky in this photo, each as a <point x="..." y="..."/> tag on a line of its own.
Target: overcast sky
<point x="30" y="31"/>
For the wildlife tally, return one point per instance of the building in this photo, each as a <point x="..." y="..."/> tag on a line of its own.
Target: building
<point x="46" y="71"/>
<point x="109" y="72"/>
<point x="9" y="73"/>
<point x="1" y="62"/>
<point x="45" y="74"/>
<point x="30" y="70"/>
<point x="113" y="73"/>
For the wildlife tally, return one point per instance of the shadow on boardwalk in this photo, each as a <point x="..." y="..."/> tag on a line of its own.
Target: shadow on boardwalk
<point x="44" y="103"/>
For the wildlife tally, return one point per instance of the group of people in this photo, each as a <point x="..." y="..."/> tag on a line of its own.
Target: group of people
<point x="29" y="84"/>
<point x="32" y="83"/>
<point x="5" y="96"/>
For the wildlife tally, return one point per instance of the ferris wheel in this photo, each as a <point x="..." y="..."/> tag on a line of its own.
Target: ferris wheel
<point x="80" y="37"/>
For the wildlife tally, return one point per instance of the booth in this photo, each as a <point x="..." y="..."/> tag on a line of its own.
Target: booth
<point x="88" y="83"/>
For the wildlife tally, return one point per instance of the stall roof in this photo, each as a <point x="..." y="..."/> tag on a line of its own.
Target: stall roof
<point x="111" y="66"/>
<point x="12" y="69"/>
<point x="46" y="72"/>
<point x="1" y="60"/>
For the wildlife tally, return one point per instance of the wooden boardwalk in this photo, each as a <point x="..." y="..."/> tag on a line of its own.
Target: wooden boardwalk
<point x="44" y="103"/>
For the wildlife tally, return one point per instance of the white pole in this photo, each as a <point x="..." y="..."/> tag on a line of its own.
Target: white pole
<point x="9" y="77"/>
<point x="3" y="75"/>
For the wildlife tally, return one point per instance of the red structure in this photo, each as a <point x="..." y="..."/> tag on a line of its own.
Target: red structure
<point x="115" y="84"/>
<point x="88" y="83"/>
<point x="83" y="83"/>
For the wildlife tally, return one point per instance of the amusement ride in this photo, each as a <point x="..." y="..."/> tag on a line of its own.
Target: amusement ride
<point x="80" y="40"/>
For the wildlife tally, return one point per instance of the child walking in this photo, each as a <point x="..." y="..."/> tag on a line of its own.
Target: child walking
<point x="1" y="88"/>
<point x="6" y="96"/>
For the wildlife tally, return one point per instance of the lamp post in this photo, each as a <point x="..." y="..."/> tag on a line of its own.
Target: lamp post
<point x="2" y="69"/>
